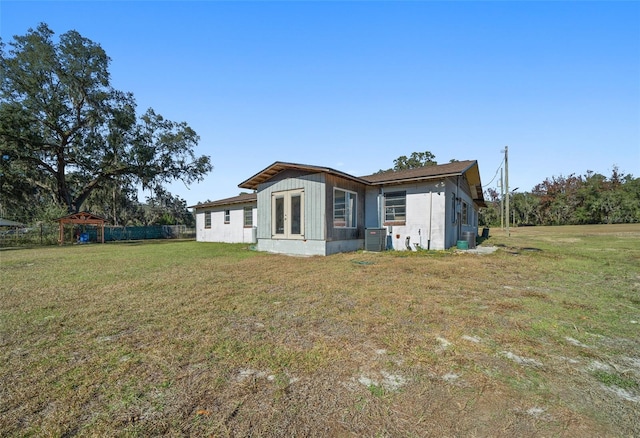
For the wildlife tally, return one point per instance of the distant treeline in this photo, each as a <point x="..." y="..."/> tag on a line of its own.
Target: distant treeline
<point x="576" y="199"/>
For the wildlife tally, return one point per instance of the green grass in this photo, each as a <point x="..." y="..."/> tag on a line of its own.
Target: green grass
<point x="187" y="338"/>
<point x="614" y="379"/>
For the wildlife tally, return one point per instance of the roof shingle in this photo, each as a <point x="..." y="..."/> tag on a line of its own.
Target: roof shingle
<point x="426" y="172"/>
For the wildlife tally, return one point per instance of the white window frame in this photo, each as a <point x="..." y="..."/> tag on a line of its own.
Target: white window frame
<point x="248" y="214"/>
<point x="227" y="216"/>
<point x="349" y="217"/>
<point x="288" y="217"/>
<point x="394" y="209"/>
<point x="207" y="219"/>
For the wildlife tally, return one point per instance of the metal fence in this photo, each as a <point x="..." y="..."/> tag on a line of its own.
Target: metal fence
<point x="48" y="234"/>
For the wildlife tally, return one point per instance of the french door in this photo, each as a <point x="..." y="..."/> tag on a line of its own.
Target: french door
<point x="287" y="210"/>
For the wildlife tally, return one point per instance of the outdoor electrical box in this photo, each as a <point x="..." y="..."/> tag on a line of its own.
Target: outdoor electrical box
<point x="375" y="239"/>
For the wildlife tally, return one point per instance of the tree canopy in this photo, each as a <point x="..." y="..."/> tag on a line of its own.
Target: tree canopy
<point x="65" y="132"/>
<point x="591" y="198"/>
<point x="414" y="161"/>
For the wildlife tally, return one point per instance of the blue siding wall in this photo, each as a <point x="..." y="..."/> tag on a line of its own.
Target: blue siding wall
<point x="314" y="202"/>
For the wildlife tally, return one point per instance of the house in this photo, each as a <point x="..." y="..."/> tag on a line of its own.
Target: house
<point x="314" y="210"/>
<point x="230" y="220"/>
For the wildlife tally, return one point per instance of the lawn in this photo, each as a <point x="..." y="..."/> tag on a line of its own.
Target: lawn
<point x="540" y="338"/>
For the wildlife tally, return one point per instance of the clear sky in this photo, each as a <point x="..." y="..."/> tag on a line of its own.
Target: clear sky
<point x="353" y="85"/>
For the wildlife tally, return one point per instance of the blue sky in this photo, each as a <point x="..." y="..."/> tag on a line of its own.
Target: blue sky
<point x="353" y="85"/>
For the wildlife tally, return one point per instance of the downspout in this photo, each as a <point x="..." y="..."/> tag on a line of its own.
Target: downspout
<point x="380" y="209"/>
<point x="458" y="224"/>
<point x="389" y="242"/>
<point x="430" y="219"/>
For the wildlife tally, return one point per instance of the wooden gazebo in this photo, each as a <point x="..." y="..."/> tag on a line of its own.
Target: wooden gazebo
<point x="82" y="218"/>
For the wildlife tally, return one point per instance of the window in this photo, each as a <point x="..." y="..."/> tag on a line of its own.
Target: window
<point x="453" y="208"/>
<point x="248" y="217"/>
<point x="395" y="207"/>
<point x="207" y="219"/>
<point x="279" y="215"/>
<point x="344" y="209"/>
<point x="465" y="213"/>
<point x="287" y="214"/>
<point x="227" y="216"/>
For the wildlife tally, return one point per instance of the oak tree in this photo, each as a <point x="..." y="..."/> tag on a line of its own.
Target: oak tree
<point x="65" y="131"/>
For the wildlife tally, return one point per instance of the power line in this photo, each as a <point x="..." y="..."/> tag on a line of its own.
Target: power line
<point x="494" y="176"/>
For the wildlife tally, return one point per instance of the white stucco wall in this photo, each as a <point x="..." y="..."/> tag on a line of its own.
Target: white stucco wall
<point x="425" y="215"/>
<point x="431" y="221"/>
<point x="233" y="232"/>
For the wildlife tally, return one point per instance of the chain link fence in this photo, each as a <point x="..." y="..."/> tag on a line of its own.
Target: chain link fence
<point x="49" y="234"/>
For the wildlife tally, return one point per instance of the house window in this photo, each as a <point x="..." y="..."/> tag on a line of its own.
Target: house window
<point x="207" y="219"/>
<point x="395" y="207"/>
<point x="465" y="213"/>
<point x="227" y="216"/>
<point x="453" y="208"/>
<point x="287" y="214"/>
<point x="248" y="217"/>
<point x="344" y="208"/>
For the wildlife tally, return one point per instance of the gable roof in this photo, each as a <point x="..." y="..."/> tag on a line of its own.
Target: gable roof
<point x="244" y="198"/>
<point x="82" y="217"/>
<point x="280" y="166"/>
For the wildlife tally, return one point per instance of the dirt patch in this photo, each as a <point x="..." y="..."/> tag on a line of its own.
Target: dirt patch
<point x="521" y="360"/>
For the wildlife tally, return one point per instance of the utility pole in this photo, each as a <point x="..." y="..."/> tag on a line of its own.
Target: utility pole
<point x="501" y="200"/>
<point x="506" y="183"/>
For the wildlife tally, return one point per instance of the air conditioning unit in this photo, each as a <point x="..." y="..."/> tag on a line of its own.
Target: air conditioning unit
<point x="375" y="239"/>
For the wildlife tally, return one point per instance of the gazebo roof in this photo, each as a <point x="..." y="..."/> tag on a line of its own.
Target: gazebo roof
<point x="83" y="217"/>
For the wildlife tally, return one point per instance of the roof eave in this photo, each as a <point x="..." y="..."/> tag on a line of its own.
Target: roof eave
<point x="413" y="179"/>
<point x="274" y="169"/>
<point x="248" y="198"/>
<point x="222" y="204"/>
<point x="480" y="203"/>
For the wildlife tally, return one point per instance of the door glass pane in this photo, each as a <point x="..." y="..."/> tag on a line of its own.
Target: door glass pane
<point x="296" y="214"/>
<point x="279" y="216"/>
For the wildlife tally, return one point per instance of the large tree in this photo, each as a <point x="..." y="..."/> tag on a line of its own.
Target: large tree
<point x="65" y="131"/>
<point x="414" y="161"/>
